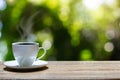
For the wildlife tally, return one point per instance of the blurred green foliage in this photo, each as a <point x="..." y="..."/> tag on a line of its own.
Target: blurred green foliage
<point x="68" y="29"/>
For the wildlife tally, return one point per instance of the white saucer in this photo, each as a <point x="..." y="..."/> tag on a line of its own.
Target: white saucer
<point x="14" y="65"/>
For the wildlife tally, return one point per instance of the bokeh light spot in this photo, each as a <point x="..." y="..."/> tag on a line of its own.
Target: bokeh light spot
<point x="52" y="4"/>
<point x="2" y="4"/>
<point x="47" y="44"/>
<point x="109" y="47"/>
<point x="110" y="34"/>
<point x="86" y="55"/>
<point x="3" y="49"/>
<point x="92" y="4"/>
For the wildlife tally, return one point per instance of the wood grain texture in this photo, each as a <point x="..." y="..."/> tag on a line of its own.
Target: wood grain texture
<point x="67" y="70"/>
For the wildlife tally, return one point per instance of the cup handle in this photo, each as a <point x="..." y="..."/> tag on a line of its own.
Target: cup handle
<point x="43" y="53"/>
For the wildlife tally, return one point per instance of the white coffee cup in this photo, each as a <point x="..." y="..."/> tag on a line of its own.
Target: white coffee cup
<point x="25" y="53"/>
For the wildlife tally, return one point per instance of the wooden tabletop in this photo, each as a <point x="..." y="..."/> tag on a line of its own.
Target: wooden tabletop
<point x="67" y="70"/>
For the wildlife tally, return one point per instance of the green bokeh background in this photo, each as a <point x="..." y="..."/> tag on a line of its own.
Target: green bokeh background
<point x="69" y="29"/>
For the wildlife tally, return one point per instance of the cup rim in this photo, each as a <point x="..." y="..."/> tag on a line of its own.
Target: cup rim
<point x="20" y="43"/>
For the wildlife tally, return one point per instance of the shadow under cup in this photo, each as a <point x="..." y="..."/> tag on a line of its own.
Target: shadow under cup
<point x="25" y="53"/>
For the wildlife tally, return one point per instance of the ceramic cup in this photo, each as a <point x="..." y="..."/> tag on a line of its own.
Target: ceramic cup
<point x="25" y="53"/>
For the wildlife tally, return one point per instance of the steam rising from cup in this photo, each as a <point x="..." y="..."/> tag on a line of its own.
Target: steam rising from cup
<point x="25" y="28"/>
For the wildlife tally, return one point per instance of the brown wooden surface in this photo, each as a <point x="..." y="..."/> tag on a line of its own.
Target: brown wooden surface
<point x="67" y="70"/>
